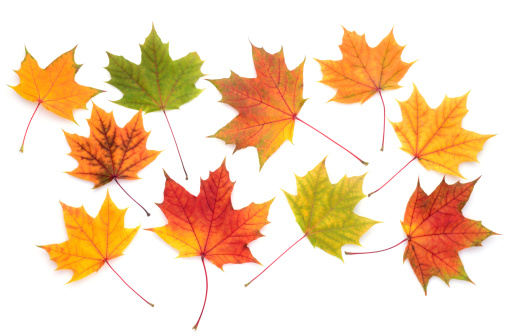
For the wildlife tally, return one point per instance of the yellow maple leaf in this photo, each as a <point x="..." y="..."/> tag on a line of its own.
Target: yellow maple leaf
<point x="92" y="241"/>
<point x="435" y="136"/>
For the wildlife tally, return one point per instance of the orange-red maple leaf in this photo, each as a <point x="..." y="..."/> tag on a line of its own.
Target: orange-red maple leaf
<point x="268" y="105"/>
<point x="54" y="87"/>
<point x="437" y="230"/>
<point x="207" y="225"/>
<point x="110" y="152"/>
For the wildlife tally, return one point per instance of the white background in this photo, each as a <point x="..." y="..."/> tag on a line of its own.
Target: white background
<point x="459" y="47"/>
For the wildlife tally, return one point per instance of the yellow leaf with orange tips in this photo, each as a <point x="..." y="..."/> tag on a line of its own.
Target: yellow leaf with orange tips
<point x="53" y="87"/>
<point x="435" y="136"/>
<point x="92" y="241"/>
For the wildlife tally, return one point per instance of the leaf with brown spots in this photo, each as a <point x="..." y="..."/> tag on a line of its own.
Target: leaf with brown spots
<point x="110" y="152"/>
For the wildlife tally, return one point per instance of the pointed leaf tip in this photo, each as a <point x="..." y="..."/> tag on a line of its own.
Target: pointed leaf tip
<point x="442" y="147"/>
<point x="436" y="236"/>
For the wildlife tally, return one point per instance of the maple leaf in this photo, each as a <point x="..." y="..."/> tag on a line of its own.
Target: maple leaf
<point x="207" y="225"/>
<point x="436" y="231"/>
<point x="435" y="136"/>
<point x="53" y="87"/>
<point x="364" y="71"/>
<point x="92" y="241"/>
<point x="324" y="211"/>
<point x="158" y="83"/>
<point x="110" y="152"/>
<point x="268" y="105"/>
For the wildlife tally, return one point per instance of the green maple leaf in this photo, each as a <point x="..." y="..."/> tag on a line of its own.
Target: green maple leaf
<point x="324" y="211"/>
<point x="158" y="83"/>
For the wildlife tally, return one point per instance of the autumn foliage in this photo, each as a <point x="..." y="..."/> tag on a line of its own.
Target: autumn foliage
<point x="324" y="211"/>
<point x="110" y="152"/>
<point x="207" y="225"/>
<point x="363" y="71"/>
<point x="53" y="87"/>
<point x="267" y="105"/>
<point x="435" y="136"/>
<point x="158" y="83"/>
<point x="436" y="231"/>
<point x="92" y="241"/>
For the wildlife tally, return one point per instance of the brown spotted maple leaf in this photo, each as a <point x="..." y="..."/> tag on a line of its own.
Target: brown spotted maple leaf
<point x="207" y="226"/>
<point x="110" y="152"/>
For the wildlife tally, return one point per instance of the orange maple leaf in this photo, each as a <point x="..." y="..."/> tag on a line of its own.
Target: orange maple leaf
<point x="54" y="87"/>
<point x="207" y="225"/>
<point x="437" y="230"/>
<point x="435" y="136"/>
<point x="364" y="71"/>
<point x="92" y="241"/>
<point x="268" y="105"/>
<point x="110" y="152"/>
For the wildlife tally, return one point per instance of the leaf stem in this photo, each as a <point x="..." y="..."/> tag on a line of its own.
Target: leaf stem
<point x="369" y="195"/>
<point x="384" y="118"/>
<point x="356" y="157"/>
<point x="248" y="283"/>
<point x="33" y="114"/>
<point x="355" y="253"/>
<point x="140" y="296"/>
<point x="147" y="213"/>
<point x="177" y="147"/>
<point x="206" y="297"/>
